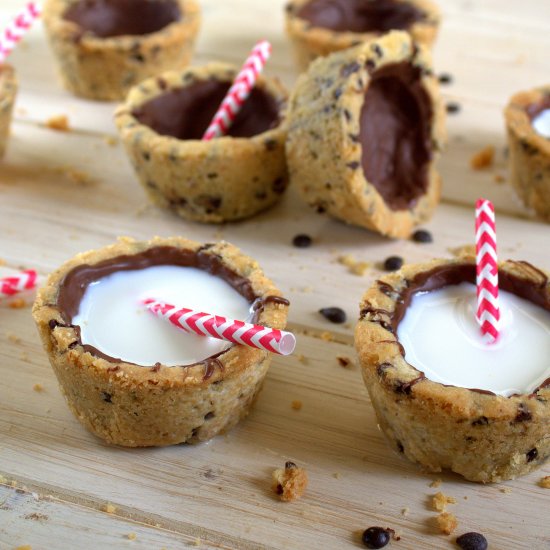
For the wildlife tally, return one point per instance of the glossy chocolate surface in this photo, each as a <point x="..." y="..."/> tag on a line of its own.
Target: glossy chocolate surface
<point x="360" y="15"/>
<point x="186" y="113"/>
<point x="395" y="126"/>
<point x="108" y="18"/>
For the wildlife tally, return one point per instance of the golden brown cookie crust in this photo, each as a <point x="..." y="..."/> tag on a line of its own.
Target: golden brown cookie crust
<point x="483" y="437"/>
<point x="8" y="93"/>
<point x="529" y="152"/>
<point x="106" y="68"/>
<point x="310" y="42"/>
<point x="323" y="152"/>
<point x="225" y="179"/>
<point x="135" y="406"/>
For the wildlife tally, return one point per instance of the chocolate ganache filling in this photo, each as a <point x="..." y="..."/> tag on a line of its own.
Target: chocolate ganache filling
<point x="395" y="128"/>
<point x="186" y="113"/>
<point x="535" y="291"/>
<point x="108" y="18"/>
<point x="73" y="287"/>
<point x="361" y="15"/>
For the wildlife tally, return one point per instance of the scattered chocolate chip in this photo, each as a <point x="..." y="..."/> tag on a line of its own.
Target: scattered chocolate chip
<point x="343" y="361"/>
<point x="209" y="415"/>
<point x="400" y="447"/>
<point x="302" y="241"/>
<point x="523" y="414"/>
<point x="334" y="314"/>
<point x="290" y="465"/>
<point x="422" y="236"/>
<point x="393" y="263"/>
<point x="376" y="537"/>
<point x="445" y="78"/>
<point x="107" y="397"/>
<point x="532" y="454"/>
<point x="453" y="107"/>
<point x="370" y="65"/>
<point x="472" y="541"/>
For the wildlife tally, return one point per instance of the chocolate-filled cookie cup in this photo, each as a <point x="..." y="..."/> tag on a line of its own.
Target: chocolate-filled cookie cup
<point x="134" y="406"/>
<point x="320" y="27"/>
<point x="225" y="179"/>
<point x="104" y="47"/>
<point x="8" y="93"/>
<point x="366" y="126"/>
<point x="478" y="434"/>
<point x="529" y="150"/>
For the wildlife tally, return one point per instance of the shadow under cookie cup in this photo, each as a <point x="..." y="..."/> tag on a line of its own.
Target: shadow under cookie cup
<point x="314" y="35"/>
<point x="135" y="406"/>
<point x="366" y="126"/>
<point x="226" y="179"/>
<point x="529" y="152"/>
<point x="8" y="93"/>
<point x="480" y="435"/>
<point x="102" y="62"/>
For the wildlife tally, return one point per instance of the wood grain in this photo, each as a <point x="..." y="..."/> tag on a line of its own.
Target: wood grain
<point x="61" y="193"/>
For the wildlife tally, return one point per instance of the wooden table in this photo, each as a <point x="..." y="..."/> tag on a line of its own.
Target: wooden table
<point x="57" y="477"/>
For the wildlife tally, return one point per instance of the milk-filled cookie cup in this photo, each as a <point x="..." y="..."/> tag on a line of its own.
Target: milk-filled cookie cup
<point x="527" y="117"/>
<point x="8" y="93"/>
<point x="229" y="178"/>
<point x="135" y="380"/>
<point x="454" y="403"/>
<point x="104" y="47"/>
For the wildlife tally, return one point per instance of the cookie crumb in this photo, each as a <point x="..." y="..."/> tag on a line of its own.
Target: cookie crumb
<point x="17" y="303"/>
<point x="13" y="338"/>
<point x="499" y="178"/>
<point x="110" y="140"/>
<point x="462" y="251"/>
<point x="483" y="158"/>
<point x="506" y="490"/>
<point x="197" y="542"/>
<point x="38" y="388"/>
<point x="345" y="362"/>
<point x="354" y="266"/>
<point x="327" y="336"/>
<point x="3" y="479"/>
<point x="79" y="177"/>
<point x="131" y="536"/>
<point x="447" y="523"/>
<point x="296" y="405"/>
<point x="336" y="475"/>
<point x="59" y="123"/>
<point x="24" y="547"/>
<point x="440" y="501"/>
<point x="545" y="482"/>
<point x="302" y="359"/>
<point x="405" y="511"/>
<point x="436" y="483"/>
<point x="290" y="483"/>
<point x="109" y="508"/>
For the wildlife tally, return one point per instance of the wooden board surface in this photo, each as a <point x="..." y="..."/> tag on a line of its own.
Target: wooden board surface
<point x="217" y="494"/>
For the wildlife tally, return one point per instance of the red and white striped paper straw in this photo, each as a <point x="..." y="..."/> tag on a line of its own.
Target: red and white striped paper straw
<point x="239" y="91"/>
<point x="26" y="280"/>
<point x="17" y="29"/>
<point x="237" y="332"/>
<point x="488" y="311"/>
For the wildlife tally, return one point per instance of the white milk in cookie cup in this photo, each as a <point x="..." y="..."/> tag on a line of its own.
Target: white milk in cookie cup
<point x="442" y="396"/>
<point x="8" y="93"/>
<point x="135" y="380"/>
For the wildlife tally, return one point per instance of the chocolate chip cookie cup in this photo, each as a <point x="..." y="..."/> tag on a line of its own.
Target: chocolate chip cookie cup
<point x="365" y="128"/>
<point x="320" y="27"/>
<point x="8" y="93"/>
<point x="104" y="47"/>
<point x="527" y="118"/>
<point x="488" y="419"/>
<point x="225" y="179"/>
<point x="170" y="387"/>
